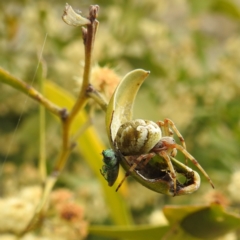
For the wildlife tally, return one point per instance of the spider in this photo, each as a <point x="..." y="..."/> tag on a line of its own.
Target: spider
<point x="142" y="140"/>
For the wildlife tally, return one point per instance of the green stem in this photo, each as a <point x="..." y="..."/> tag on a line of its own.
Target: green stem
<point x="18" y="84"/>
<point x="42" y="134"/>
<point x="67" y="145"/>
<point x="96" y="96"/>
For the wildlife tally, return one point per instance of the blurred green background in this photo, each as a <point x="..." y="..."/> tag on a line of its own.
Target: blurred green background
<point x="192" y="49"/>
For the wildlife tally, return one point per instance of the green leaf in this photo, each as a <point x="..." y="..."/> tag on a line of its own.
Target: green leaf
<point x="185" y="222"/>
<point x="133" y="232"/>
<point x="227" y="8"/>
<point x="120" y="107"/>
<point x="204" y="222"/>
<point x="210" y="222"/>
<point x="91" y="147"/>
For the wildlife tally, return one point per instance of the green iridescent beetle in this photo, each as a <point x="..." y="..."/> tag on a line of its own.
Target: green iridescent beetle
<point x="135" y="142"/>
<point x="110" y="169"/>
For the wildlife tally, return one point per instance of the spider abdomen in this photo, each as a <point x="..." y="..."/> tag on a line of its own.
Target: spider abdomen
<point x="137" y="137"/>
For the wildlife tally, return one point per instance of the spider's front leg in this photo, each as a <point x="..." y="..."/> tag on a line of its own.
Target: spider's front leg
<point x="171" y="169"/>
<point x="168" y="128"/>
<point x="146" y="157"/>
<point x="165" y="152"/>
<point x="169" y="143"/>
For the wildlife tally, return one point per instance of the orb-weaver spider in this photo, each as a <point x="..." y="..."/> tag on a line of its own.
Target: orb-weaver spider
<point x="141" y="140"/>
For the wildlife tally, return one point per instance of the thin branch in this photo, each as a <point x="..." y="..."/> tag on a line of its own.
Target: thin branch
<point x="96" y="96"/>
<point x="20" y="85"/>
<point x="88" y="39"/>
<point x="42" y="127"/>
<point x="67" y="144"/>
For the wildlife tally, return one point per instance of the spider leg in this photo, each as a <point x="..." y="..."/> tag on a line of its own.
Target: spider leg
<point x="164" y="154"/>
<point x="169" y="123"/>
<point x="161" y="125"/>
<point x="195" y="162"/>
<point x="147" y="158"/>
<point x="167" y="132"/>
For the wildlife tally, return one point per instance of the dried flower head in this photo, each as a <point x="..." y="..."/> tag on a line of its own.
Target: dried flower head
<point x="104" y="80"/>
<point x="71" y="212"/>
<point x="67" y="216"/>
<point x="73" y="18"/>
<point x="61" y="196"/>
<point x="216" y="197"/>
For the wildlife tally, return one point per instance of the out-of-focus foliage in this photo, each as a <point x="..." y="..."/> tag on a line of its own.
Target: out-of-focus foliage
<point x="192" y="49"/>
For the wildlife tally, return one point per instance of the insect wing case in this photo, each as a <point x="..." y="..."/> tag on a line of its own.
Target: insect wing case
<point x="110" y="169"/>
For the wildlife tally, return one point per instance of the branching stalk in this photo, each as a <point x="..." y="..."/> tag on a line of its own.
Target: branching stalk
<point x="18" y="84"/>
<point x="67" y="119"/>
<point x="96" y="96"/>
<point x="88" y="37"/>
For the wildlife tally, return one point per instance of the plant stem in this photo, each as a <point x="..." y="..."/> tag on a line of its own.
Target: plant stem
<point x="42" y="132"/>
<point x="89" y="42"/>
<point x="67" y="144"/>
<point x="18" y="84"/>
<point x="89" y="36"/>
<point x="96" y="96"/>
